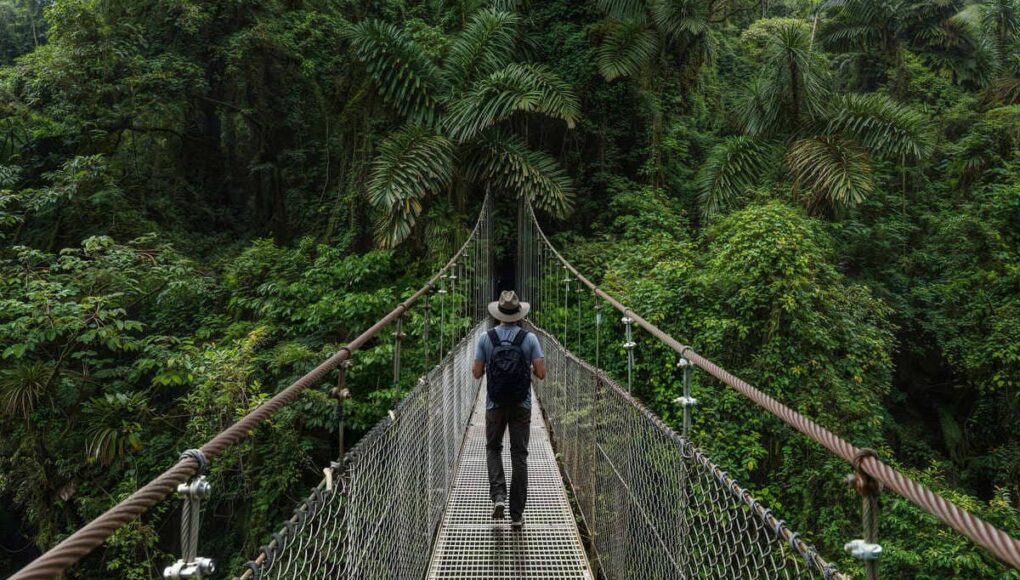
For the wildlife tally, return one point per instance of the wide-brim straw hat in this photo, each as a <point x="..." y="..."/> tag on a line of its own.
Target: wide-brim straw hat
<point x="509" y="307"/>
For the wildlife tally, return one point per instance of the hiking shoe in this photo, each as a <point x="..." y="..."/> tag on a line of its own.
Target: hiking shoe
<point x="517" y="522"/>
<point x="498" y="507"/>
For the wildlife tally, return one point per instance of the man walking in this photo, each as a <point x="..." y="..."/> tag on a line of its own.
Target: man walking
<point x="507" y="356"/>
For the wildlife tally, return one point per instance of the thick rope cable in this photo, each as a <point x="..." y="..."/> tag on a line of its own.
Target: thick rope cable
<point x="68" y="552"/>
<point x="998" y="542"/>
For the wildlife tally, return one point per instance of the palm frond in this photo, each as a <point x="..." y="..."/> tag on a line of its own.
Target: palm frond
<point x="623" y="9"/>
<point x="411" y="163"/>
<point x="405" y="78"/>
<point x="732" y="167"/>
<point x="888" y="129"/>
<point x="515" y="87"/>
<point x="506" y="163"/>
<point x="485" y="44"/>
<point x="676" y="17"/>
<point x="1005" y="91"/>
<point x="627" y="47"/>
<point x="761" y="107"/>
<point x="833" y="168"/>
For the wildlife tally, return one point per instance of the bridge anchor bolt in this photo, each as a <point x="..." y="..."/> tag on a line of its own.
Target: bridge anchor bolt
<point x="862" y="550"/>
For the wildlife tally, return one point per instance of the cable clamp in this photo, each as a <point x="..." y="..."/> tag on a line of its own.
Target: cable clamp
<point x="862" y="550"/>
<point x="685" y="401"/>
<point x="197" y="489"/>
<point x="200" y="568"/>
<point x="198" y="456"/>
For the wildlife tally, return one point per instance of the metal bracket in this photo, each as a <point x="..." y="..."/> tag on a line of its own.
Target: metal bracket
<point x="685" y="401"/>
<point x="191" y="565"/>
<point x="862" y="550"/>
<point x="200" y="568"/>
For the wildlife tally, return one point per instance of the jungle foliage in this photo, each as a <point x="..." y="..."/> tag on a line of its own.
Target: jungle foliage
<point x="201" y="200"/>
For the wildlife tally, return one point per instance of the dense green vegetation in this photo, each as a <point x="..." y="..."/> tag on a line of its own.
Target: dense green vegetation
<point x="200" y="200"/>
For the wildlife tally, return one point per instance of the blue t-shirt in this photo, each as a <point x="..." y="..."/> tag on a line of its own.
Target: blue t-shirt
<point x="531" y="348"/>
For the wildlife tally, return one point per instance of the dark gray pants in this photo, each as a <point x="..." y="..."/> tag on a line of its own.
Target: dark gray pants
<point x="518" y="419"/>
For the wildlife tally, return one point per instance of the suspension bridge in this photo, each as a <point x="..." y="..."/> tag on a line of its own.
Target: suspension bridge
<point x="615" y="492"/>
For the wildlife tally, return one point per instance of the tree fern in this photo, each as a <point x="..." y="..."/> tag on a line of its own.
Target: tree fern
<point x="485" y="45"/>
<point x="836" y="170"/>
<point x="405" y="78"/>
<point x="731" y="168"/>
<point x="627" y="47"/>
<point x="883" y="126"/>
<point x="411" y="163"/>
<point x="506" y="162"/>
<point x="516" y="87"/>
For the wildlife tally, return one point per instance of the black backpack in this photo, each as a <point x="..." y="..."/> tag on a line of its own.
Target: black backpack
<point x="508" y="374"/>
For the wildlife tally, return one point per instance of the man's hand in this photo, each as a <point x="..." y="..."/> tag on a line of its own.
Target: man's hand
<point x="478" y="370"/>
<point x="538" y="368"/>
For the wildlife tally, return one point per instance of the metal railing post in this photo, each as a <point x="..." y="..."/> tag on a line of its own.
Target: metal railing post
<point x="629" y="346"/>
<point x="686" y="400"/>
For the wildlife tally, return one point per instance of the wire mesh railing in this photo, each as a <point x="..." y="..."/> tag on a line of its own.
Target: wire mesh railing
<point x="653" y="504"/>
<point x="375" y="515"/>
<point x="458" y="291"/>
<point x="563" y="299"/>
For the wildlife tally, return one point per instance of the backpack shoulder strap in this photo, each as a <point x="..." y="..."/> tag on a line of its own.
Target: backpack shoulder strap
<point x="519" y="339"/>
<point x="493" y="337"/>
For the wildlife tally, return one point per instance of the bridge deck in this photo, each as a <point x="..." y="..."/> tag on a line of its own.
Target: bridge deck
<point x="471" y="544"/>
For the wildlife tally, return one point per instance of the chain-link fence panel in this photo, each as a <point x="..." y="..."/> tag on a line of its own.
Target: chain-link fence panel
<point x="377" y="516"/>
<point x="656" y="507"/>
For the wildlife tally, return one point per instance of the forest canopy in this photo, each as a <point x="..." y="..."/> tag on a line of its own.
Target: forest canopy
<point x="200" y="201"/>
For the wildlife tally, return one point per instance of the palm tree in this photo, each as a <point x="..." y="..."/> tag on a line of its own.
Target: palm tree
<point x="1001" y="20"/>
<point x="940" y="31"/>
<point x="826" y="142"/>
<point x="458" y="117"/>
<point x="649" y="40"/>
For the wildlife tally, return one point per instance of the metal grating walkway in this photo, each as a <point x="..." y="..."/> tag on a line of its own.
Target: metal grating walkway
<point x="471" y="544"/>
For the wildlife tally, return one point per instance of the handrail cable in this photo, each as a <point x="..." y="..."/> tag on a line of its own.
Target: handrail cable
<point x="59" y="558"/>
<point x="998" y="542"/>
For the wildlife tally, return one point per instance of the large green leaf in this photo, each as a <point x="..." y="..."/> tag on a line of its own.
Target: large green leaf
<point x="623" y="9"/>
<point x="883" y="126"/>
<point x="676" y="17"/>
<point x="503" y="161"/>
<point x="731" y="168"/>
<point x="410" y="164"/>
<point x="516" y="87"/>
<point x="835" y="169"/>
<point x="405" y="78"/>
<point x="626" y="48"/>
<point x="486" y="44"/>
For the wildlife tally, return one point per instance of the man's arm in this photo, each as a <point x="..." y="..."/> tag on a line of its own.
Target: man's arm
<point x="479" y="369"/>
<point x="538" y="367"/>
